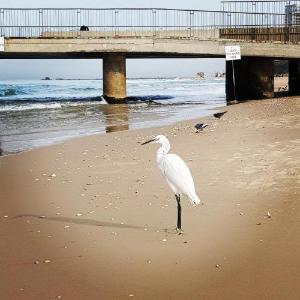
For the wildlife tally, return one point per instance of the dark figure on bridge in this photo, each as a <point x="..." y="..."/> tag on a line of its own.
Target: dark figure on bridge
<point x="84" y="28"/>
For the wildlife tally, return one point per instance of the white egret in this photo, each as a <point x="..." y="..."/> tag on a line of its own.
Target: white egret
<point x="177" y="174"/>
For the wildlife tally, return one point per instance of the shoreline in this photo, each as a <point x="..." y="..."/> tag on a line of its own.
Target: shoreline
<point x="280" y="84"/>
<point x="27" y="125"/>
<point x="93" y="218"/>
<point x="216" y="109"/>
<point x="202" y="118"/>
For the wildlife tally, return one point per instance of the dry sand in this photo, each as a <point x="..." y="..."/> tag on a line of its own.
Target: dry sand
<point x="93" y="218"/>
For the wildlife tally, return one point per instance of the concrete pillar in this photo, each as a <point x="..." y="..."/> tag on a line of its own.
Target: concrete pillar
<point x="229" y="85"/>
<point x="254" y="78"/>
<point x="114" y="78"/>
<point x="294" y="77"/>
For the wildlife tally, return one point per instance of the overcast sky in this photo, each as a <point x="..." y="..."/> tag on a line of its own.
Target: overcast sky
<point x="35" y="69"/>
<point x="188" y="4"/>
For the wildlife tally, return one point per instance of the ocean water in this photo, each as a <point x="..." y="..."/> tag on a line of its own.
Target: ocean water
<point x="37" y="113"/>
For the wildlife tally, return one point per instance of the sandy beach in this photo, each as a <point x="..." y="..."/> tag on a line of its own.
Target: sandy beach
<point x="281" y="84"/>
<point x="93" y="218"/>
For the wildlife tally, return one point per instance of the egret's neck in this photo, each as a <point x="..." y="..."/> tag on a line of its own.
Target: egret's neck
<point x="163" y="150"/>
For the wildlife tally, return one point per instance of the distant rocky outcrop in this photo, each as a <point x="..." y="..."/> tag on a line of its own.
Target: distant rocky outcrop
<point x="200" y="75"/>
<point x="219" y="75"/>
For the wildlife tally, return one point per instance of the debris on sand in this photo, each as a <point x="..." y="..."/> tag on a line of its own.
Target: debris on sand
<point x="220" y="114"/>
<point x="47" y="261"/>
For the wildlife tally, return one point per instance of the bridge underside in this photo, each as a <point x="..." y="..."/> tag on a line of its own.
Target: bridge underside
<point x="102" y="55"/>
<point x="254" y="74"/>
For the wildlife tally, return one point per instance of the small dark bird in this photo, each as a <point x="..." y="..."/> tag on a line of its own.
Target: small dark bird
<point x="200" y="126"/>
<point x="220" y="114"/>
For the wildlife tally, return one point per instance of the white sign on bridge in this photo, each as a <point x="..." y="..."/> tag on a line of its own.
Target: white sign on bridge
<point x="233" y="52"/>
<point x="2" y="43"/>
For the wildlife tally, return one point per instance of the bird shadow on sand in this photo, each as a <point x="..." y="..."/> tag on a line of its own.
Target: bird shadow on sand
<point x="90" y="222"/>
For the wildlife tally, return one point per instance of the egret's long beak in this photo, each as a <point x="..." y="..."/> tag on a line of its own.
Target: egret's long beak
<point x="148" y="142"/>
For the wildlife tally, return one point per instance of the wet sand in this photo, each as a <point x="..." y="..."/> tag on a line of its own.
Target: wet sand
<point x="281" y="84"/>
<point x="94" y="219"/>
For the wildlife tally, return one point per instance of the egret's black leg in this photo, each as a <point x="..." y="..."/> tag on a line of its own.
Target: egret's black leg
<point x="178" y="212"/>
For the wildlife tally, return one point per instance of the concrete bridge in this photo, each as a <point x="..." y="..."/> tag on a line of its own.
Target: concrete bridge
<point x="117" y="34"/>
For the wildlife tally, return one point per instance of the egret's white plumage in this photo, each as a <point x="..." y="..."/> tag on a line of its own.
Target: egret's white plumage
<point x="176" y="172"/>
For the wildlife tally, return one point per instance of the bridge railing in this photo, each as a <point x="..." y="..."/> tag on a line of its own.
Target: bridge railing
<point x="144" y="23"/>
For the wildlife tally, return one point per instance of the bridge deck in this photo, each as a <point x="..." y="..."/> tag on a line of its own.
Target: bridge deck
<point x="139" y="48"/>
